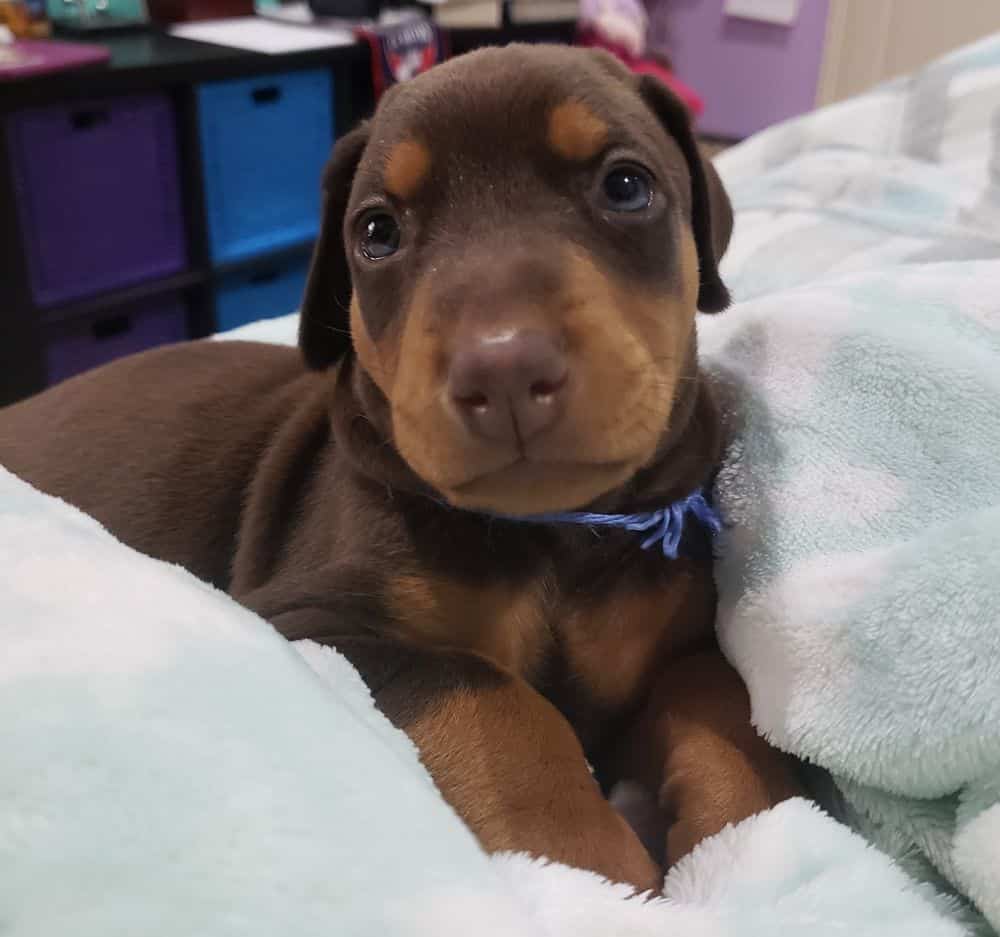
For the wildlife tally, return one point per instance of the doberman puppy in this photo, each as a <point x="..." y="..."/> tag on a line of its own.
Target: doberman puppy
<point x="498" y="323"/>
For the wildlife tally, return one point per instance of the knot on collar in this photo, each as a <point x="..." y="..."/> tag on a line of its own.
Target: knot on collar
<point x="664" y="526"/>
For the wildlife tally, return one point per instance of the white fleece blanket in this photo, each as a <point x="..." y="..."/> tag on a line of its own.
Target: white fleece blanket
<point x="171" y="766"/>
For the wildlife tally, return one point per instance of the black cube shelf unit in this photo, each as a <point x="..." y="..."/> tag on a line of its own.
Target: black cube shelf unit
<point x="167" y="128"/>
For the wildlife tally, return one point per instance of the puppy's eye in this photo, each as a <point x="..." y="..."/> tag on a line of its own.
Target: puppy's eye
<point x="627" y="188"/>
<point x="379" y="235"/>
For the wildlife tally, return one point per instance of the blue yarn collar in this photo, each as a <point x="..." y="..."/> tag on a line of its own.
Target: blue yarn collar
<point x="664" y="526"/>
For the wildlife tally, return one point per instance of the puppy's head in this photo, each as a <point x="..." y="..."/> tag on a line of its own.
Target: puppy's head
<point x="515" y="248"/>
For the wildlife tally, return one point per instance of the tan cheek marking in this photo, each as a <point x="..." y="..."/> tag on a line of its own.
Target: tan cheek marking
<point x="575" y="132"/>
<point x="425" y="435"/>
<point x="501" y="622"/>
<point x="379" y="366"/>
<point x="690" y="275"/>
<point x="406" y="168"/>
<point x="652" y="331"/>
<point x="665" y="323"/>
<point x="627" y="341"/>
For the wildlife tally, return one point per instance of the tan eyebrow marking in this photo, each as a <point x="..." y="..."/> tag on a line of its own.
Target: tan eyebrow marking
<point x="575" y="132"/>
<point x="407" y="167"/>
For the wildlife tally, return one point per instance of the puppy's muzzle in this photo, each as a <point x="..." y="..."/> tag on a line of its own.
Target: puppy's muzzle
<point x="509" y="385"/>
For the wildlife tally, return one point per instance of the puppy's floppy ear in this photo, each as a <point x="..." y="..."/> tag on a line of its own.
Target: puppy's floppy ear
<point x="711" y="213"/>
<point x="324" y="324"/>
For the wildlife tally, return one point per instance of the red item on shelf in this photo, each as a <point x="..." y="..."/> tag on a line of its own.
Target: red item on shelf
<point x="403" y="50"/>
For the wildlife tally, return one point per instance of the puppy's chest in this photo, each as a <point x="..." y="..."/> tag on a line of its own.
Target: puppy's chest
<point x="602" y="634"/>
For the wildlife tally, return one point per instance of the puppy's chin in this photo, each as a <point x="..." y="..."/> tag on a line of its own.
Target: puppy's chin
<point x="525" y="488"/>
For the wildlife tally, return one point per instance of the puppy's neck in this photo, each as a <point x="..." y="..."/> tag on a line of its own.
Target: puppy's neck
<point x="685" y="460"/>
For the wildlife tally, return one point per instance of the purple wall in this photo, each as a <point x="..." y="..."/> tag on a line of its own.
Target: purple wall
<point x="750" y="74"/>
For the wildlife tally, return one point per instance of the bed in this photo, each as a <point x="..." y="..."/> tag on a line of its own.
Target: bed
<point x="172" y="766"/>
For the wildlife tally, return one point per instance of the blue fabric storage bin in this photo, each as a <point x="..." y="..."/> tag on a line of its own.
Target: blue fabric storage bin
<point x="264" y="143"/>
<point x="272" y="289"/>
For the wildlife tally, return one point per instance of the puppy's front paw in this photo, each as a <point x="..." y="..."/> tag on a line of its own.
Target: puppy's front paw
<point x="627" y="860"/>
<point x="708" y="783"/>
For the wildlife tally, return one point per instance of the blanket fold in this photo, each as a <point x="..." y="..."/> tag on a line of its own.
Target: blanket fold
<point x="860" y="575"/>
<point x="172" y="766"/>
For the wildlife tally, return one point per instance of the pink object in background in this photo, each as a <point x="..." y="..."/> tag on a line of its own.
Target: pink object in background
<point x="26" y="58"/>
<point x="620" y="27"/>
<point x="622" y="23"/>
<point x="691" y="99"/>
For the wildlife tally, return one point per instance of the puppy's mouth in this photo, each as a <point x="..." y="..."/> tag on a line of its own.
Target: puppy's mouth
<point x="525" y="486"/>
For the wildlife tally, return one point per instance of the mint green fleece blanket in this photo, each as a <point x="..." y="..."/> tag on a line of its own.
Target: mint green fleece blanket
<point x="860" y="575"/>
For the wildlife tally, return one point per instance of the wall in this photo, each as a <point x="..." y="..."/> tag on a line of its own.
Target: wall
<point x="869" y="41"/>
<point x="750" y="74"/>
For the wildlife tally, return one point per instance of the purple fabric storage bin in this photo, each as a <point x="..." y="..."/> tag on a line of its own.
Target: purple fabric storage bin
<point x="98" y="195"/>
<point x="750" y="74"/>
<point x="79" y="346"/>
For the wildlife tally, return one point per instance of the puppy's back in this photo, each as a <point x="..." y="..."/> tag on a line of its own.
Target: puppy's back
<point x="160" y="447"/>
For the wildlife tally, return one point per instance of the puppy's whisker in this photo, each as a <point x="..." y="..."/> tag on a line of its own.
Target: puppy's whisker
<point x="335" y="330"/>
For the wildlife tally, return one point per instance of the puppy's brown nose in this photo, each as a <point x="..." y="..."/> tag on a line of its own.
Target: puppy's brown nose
<point x="509" y="386"/>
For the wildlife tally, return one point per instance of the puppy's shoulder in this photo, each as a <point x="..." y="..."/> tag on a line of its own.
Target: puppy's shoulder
<point x="209" y="365"/>
<point x="151" y="405"/>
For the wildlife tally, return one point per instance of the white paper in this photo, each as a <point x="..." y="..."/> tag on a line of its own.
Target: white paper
<point x="780" y="12"/>
<point x="289" y="13"/>
<point x="299" y="12"/>
<point x="256" y="34"/>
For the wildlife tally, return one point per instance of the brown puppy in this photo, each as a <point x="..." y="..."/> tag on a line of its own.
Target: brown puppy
<point x="499" y="321"/>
